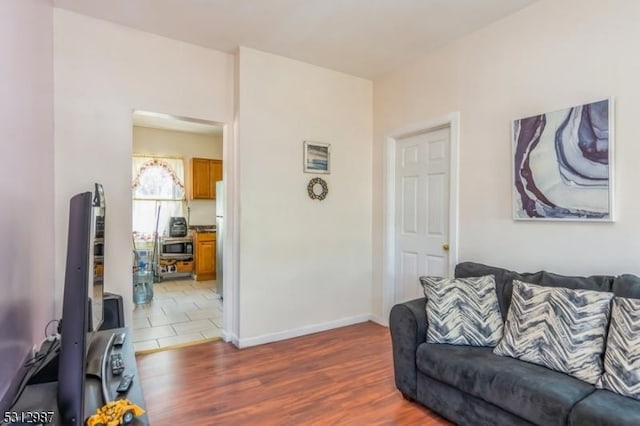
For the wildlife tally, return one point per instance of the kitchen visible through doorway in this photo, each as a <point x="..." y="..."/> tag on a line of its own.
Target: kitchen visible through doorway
<point x="176" y="280"/>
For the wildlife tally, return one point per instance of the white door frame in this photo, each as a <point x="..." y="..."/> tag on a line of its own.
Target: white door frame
<point x="231" y="249"/>
<point x="452" y="121"/>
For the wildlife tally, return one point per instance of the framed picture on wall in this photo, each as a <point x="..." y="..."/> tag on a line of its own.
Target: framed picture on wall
<point x="317" y="157"/>
<point x="563" y="164"/>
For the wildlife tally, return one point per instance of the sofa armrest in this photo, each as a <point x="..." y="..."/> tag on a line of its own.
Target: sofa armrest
<point x="408" y="325"/>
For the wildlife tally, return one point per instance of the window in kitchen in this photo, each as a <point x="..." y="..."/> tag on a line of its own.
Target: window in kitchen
<point x="158" y="193"/>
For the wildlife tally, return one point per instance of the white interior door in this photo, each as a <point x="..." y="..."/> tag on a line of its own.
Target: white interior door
<point x="422" y="188"/>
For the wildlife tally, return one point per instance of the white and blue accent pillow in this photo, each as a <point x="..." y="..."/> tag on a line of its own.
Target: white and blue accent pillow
<point x="462" y="311"/>
<point x="560" y="328"/>
<point x="622" y="357"/>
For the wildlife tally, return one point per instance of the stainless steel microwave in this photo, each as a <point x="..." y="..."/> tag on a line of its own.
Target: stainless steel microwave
<point x="176" y="246"/>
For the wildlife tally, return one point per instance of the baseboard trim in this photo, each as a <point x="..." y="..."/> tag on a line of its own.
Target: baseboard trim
<point x="230" y="338"/>
<point x="380" y="320"/>
<point x="302" y="331"/>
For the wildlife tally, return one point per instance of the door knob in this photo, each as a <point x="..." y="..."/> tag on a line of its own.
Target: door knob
<point x="445" y="247"/>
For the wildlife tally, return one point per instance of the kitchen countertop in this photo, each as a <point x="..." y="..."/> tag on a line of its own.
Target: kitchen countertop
<point x="203" y="228"/>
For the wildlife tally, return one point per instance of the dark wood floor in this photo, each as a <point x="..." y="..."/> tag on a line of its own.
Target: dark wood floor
<point x="338" y="377"/>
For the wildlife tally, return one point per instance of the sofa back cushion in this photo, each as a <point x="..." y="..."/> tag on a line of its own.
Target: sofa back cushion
<point x="503" y="277"/>
<point x="593" y="282"/>
<point x="504" y="281"/>
<point x="627" y="285"/>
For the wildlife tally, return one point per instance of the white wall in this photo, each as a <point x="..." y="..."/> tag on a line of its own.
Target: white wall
<point x="102" y="73"/>
<point x="162" y="142"/>
<point x="304" y="264"/>
<point x="550" y="55"/>
<point x="26" y="179"/>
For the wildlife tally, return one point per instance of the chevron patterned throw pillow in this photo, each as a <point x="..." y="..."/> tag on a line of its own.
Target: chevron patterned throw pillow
<point x="622" y="357"/>
<point x="560" y="328"/>
<point x="462" y="311"/>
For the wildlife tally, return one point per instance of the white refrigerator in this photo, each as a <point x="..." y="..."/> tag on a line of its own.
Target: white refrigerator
<point x="219" y="235"/>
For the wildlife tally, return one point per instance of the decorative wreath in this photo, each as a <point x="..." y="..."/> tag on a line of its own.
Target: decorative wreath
<point x="312" y="194"/>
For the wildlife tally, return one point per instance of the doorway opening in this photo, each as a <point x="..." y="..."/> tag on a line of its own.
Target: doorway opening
<point x="177" y="191"/>
<point x="420" y="207"/>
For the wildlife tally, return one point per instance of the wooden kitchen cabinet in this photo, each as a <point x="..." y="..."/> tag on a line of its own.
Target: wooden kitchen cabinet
<point x="203" y="175"/>
<point x="205" y="256"/>
<point x="216" y="173"/>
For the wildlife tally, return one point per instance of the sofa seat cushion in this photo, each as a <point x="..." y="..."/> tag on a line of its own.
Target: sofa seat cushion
<point x="533" y="392"/>
<point x="605" y="408"/>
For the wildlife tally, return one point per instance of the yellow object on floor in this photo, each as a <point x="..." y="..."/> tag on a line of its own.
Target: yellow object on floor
<point x="114" y="413"/>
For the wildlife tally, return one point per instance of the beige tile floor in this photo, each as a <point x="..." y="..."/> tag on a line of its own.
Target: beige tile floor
<point x="181" y="312"/>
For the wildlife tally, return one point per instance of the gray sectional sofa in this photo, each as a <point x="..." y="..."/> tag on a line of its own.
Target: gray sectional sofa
<point x="472" y="386"/>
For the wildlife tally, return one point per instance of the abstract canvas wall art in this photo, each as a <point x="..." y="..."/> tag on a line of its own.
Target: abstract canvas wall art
<point x="563" y="166"/>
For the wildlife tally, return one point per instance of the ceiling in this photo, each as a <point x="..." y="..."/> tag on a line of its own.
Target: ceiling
<point x="156" y="120"/>
<point x="366" y="38"/>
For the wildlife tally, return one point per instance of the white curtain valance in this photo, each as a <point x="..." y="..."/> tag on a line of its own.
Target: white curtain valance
<point x="157" y="178"/>
<point x="158" y="183"/>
